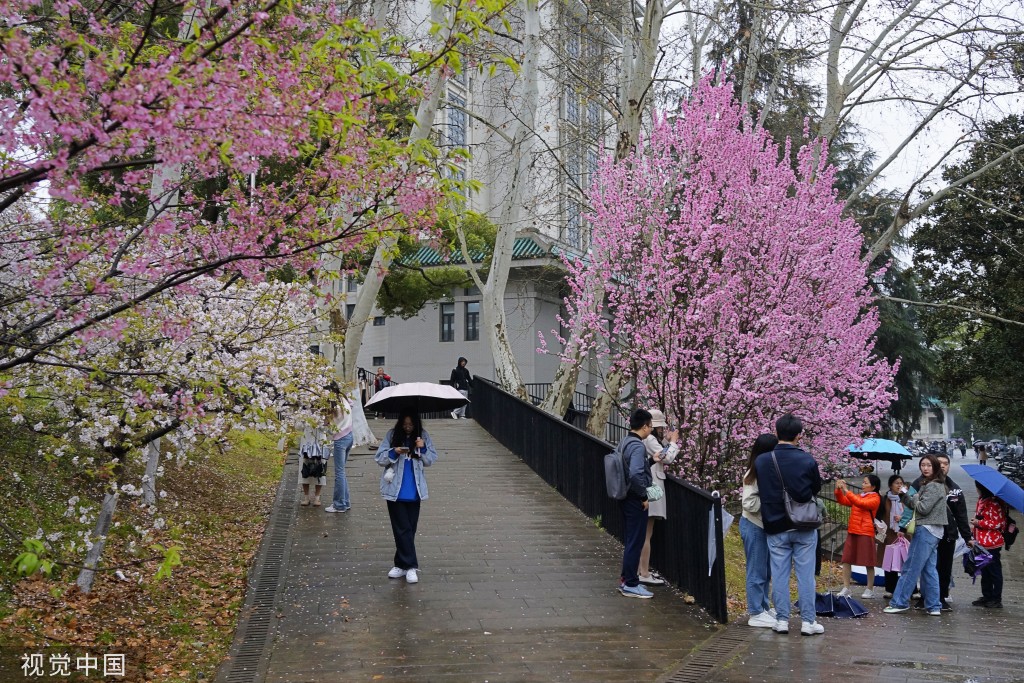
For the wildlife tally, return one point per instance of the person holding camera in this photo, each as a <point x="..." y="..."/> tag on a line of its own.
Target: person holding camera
<point x="404" y="452"/>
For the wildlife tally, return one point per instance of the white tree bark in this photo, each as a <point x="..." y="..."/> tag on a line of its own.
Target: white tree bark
<point x="386" y="248"/>
<point x="152" y="466"/>
<point x="87" y="575"/>
<point x="492" y="305"/>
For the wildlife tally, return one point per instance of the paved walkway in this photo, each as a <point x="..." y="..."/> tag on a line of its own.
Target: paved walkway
<point x="515" y="585"/>
<point x="969" y="644"/>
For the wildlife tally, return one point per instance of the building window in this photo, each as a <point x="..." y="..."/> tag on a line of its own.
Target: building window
<point x="593" y="119"/>
<point x="572" y="40"/>
<point x="349" y="310"/>
<point x="378" y="362"/>
<point x="447" y="322"/>
<point x="378" y="321"/>
<point x="458" y="174"/>
<point x="471" y="291"/>
<point x="456" y="121"/>
<point x="592" y="163"/>
<point x="572" y="106"/>
<point x="351" y="285"/>
<point x="472" y="321"/>
<point x="574" y="225"/>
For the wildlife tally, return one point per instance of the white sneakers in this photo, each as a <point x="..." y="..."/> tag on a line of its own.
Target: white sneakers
<point x="867" y="595"/>
<point x="807" y="628"/>
<point x="811" y="628"/>
<point x="652" y="580"/>
<point x="411" y="575"/>
<point x="455" y="416"/>
<point x="762" y="620"/>
<point x="845" y="593"/>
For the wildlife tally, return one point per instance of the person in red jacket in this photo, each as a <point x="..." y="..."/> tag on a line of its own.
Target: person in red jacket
<point x="989" y="524"/>
<point x="860" y="534"/>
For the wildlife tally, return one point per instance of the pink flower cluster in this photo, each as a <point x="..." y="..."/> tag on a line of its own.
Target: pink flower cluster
<point x="136" y="156"/>
<point x="735" y="291"/>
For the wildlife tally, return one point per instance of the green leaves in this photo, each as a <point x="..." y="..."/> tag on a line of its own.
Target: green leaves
<point x="172" y="559"/>
<point x="30" y="561"/>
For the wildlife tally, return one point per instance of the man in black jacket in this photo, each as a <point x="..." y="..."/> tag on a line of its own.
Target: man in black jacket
<point x="634" y="505"/>
<point x="461" y="379"/>
<point x="791" y="549"/>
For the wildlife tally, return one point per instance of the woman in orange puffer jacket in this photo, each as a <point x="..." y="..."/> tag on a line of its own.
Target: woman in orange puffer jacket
<point x="860" y="534"/>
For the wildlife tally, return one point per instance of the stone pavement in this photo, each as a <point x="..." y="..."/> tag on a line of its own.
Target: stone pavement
<point x="515" y="584"/>
<point x="969" y="644"/>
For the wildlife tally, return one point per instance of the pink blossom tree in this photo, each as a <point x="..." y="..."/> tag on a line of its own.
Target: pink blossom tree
<point x="736" y="290"/>
<point x="146" y="145"/>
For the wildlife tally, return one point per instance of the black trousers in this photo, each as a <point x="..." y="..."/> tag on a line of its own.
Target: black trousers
<point x="405" y="515"/>
<point x="992" y="577"/>
<point x="945" y="566"/>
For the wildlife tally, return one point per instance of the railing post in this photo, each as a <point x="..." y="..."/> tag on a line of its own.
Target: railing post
<point x="718" y="569"/>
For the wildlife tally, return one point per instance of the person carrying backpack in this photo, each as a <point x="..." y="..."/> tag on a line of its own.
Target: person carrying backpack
<point x="637" y="471"/>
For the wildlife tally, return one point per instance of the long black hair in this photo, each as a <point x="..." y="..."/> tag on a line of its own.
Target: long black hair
<point x="765" y="443"/>
<point x="399" y="432"/>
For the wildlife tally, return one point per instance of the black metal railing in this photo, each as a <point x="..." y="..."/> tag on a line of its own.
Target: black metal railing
<point x="572" y="461"/>
<point x="579" y="410"/>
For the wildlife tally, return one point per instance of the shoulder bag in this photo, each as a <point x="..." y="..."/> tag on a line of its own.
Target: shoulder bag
<point x="802" y="515"/>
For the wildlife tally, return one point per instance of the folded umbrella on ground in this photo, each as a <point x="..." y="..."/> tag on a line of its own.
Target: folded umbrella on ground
<point x="839" y="607"/>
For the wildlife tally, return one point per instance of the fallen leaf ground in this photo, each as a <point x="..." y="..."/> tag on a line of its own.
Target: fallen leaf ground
<point x="175" y="629"/>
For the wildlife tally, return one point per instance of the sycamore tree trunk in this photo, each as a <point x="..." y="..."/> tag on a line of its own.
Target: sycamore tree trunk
<point x="639" y="60"/>
<point x="384" y="254"/>
<point x="98" y="538"/>
<point x="495" y="321"/>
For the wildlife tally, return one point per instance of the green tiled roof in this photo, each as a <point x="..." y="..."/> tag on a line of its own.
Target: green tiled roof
<point x="524" y="248"/>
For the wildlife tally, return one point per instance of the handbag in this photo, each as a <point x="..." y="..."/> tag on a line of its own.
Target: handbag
<point x="802" y="515"/>
<point x="881" y="528"/>
<point x="654" y="493"/>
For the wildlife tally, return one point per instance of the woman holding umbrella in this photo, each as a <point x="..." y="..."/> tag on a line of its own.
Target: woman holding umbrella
<point x="989" y="523"/>
<point x="403" y="454"/>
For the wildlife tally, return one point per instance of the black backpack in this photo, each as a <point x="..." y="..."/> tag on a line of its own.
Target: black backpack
<point x="313" y="466"/>
<point x="1010" y="535"/>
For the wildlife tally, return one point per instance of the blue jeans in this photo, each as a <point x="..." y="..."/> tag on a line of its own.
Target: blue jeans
<point x="920" y="563"/>
<point x="793" y="550"/>
<point x="755" y="548"/>
<point x="634" y="525"/>
<point x="342" y="447"/>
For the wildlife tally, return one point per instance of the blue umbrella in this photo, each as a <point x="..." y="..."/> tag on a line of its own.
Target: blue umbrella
<point x="996" y="482"/>
<point x="880" y="446"/>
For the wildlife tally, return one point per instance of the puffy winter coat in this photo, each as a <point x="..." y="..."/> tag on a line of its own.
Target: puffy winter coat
<point x="991" y="516"/>
<point x="862" y="513"/>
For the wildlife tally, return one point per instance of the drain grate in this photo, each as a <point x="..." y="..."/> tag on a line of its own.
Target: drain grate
<point x="247" y="659"/>
<point x="709" y="656"/>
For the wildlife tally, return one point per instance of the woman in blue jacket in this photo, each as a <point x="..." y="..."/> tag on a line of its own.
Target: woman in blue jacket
<point x="403" y="454"/>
